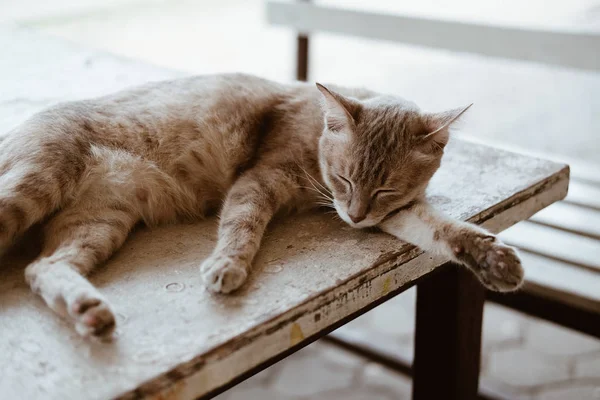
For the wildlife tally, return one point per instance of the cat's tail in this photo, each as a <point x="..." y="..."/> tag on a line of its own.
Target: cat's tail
<point x="39" y="167"/>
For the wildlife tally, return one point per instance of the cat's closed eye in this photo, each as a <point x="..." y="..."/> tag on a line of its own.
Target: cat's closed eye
<point x="382" y="192"/>
<point x="345" y="181"/>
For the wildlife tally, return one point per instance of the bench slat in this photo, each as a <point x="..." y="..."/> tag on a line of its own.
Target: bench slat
<point x="564" y="246"/>
<point x="584" y="194"/>
<point x="571" y="218"/>
<point x="556" y="279"/>
<point x="560" y="46"/>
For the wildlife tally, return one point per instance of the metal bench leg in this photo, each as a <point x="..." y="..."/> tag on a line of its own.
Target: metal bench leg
<point x="302" y="58"/>
<point x="302" y="54"/>
<point x="448" y="336"/>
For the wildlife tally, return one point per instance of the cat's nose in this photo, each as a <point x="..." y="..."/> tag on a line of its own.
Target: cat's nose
<point x="356" y="218"/>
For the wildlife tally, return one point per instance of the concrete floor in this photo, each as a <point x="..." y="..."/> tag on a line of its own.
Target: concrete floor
<point x="547" y="110"/>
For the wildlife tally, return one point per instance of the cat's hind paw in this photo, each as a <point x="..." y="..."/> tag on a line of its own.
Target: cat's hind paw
<point x="223" y="274"/>
<point x="496" y="265"/>
<point x="93" y="317"/>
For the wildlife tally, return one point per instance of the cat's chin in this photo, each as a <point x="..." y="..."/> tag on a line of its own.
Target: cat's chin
<point x="365" y="223"/>
<point x="362" y="224"/>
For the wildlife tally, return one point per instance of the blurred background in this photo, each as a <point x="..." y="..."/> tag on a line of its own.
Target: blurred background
<point x="547" y="110"/>
<point x="535" y="107"/>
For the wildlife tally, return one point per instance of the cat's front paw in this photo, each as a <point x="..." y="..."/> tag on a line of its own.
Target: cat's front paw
<point x="496" y="265"/>
<point x="93" y="316"/>
<point x="223" y="274"/>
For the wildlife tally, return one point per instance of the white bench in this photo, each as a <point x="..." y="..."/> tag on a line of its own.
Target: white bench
<point x="567" y="46"/>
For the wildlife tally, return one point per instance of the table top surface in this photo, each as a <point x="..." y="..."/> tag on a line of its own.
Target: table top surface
<point x="311" y="272"/>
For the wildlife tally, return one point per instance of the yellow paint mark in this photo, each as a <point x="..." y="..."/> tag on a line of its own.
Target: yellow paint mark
<point x="386" y="286"/>
<point x="296" y="335"/>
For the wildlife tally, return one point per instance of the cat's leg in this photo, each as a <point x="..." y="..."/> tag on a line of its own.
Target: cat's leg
<point x="250" y="204"/>
<point x="75" y="241"/>
<point x="495" y="264"/>
<point x="28" y="194"/>
<point x="41" y="162"/>
<point x="118" y="190"/>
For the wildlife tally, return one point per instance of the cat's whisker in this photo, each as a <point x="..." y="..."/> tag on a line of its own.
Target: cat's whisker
<point x="323" y="196"/>
<point x="328" y="205"/>
<point x="316" y="189"/>
<point x="315" y="180"/>
<point x="312" y="181"/>
<point x="326" y="198"/>
<point x="336" y="216"/>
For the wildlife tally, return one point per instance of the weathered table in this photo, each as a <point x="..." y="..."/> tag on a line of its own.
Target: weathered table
<point x="312" y="275"/>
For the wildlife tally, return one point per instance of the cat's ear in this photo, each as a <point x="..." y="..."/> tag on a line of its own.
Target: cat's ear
<point x="338" y="110"/>
<point x="437" y="126"/>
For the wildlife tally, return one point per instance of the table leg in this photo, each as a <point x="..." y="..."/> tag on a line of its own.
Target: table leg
<point x="448" y="335"/>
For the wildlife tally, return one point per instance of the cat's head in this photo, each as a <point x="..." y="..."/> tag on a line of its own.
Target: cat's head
<point x="378" y="155"/>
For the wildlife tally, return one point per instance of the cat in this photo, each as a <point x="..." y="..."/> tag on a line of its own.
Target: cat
<point x="244" y="147"/>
